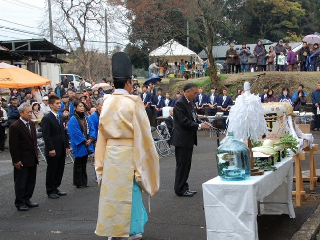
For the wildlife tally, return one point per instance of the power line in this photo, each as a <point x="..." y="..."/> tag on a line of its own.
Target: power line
<point x="16" y="23"/>
<point x="28" y="4"/>
<point x="20" y="30"/>
<point x="21" y="5"/>
<point x="10" y="37"/>
<point x="24" y="34"/>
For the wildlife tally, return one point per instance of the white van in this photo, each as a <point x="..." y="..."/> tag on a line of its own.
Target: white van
<point x="75" y="79"/>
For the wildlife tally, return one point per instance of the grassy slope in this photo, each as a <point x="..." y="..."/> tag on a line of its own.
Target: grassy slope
<point x="275" y="80"/>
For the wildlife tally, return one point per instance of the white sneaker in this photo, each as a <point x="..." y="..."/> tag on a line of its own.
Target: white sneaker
<point x="135" y="237"/>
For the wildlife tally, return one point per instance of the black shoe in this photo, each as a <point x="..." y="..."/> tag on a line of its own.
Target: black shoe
<point x="187" y="194"/>
<point x="61" y="193"/>
<point x="193" y="192"/>
<point x="53" y="196"/>
<point x="86" y="186"/>
<point x="31" y="204"/>
<point x="22" y="208"/>
<point x="81" y="186"/>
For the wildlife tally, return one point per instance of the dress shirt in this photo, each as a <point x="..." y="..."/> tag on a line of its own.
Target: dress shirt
<point x="26" y="123"/>
<point x="121" y="90"/>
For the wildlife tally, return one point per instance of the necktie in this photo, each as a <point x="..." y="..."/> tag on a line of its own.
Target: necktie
<point x="58" y="119"/>
<point x="28" y="126"/>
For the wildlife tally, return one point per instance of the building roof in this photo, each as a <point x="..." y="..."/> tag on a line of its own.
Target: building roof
<point x="28" y="45"/>
<point x="219" y="52"/>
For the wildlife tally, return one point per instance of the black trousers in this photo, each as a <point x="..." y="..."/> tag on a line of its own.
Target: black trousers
<point x="183" y="165"/>
<point x="230" y="68"/>
<point x="2" y="137"/>
<point x="24" y="183"/>
<point x="55" y="169"/>
<point x="80" y="177"/>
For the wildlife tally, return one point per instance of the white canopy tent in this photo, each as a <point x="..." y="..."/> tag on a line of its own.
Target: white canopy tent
<point x="173" y="51"/>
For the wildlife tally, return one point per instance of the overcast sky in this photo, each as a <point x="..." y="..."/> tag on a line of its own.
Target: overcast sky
<point x="19" y="19"/>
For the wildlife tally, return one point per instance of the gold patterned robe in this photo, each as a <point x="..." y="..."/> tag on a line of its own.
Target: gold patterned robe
<point x="124" y="150"/>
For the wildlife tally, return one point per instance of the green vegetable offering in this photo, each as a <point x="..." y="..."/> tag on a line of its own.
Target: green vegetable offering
<point x="288" y="141"/>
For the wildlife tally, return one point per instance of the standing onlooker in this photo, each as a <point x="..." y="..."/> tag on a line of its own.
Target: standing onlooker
<point x="285" y="96"/>
<point x="56" y="142"/>
<point x="303" y="55"/>
<point x="270" y="59"/>
<point x="291" y="59"/>
<point x="59" y="90"/>
<point x="153" y="67"/>
<point x="66" y="104"/>
<point x="158" y="103"/>
<point x="295" y="95"/>
<point x="45" y="108"/>
<point x="24" y="154"/>
<point x="38" y="93"/>
<point x="65" y="82"/>
<point x="200" y="101"/>
<point x="82" y="85"/>
<point x="231" y="54"/>
<point x="225" y="101"/>
<point x="3" y="119"/>
<point x="314" y="57"/>
<point x="237" y="62"/>
<point x="300" y="102"/>
<point x="258" y="53"/>
<point x="82" y="137"/>
<point x="280" y="51"/>
<point x="94" y="98"/>
<point x="244" y="53"/>
<point x="212" y="101"/>
<point x="146" y="99"/>
<point x="225" y="67"/>
<point x="315" y="98"/>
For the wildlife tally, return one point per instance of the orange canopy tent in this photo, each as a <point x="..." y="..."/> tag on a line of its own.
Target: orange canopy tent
<point x="15" y="77"/>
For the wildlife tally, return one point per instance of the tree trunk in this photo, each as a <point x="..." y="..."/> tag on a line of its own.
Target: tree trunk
<point x="212" y="68"/>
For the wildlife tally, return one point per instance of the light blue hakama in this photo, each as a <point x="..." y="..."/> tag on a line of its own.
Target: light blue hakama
<point x="139" y="215"/>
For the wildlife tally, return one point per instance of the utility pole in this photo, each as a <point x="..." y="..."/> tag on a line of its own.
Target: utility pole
<point x="106" y="40"/>
<point x="106" y="30"/>
<point x="50" y="21"/>
<point x="187" y="34"/>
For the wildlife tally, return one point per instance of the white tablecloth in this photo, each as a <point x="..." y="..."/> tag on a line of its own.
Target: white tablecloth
<point x="231" y="207"/>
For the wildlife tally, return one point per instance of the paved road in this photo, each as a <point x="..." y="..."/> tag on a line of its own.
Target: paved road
<point x="74" y="216"/>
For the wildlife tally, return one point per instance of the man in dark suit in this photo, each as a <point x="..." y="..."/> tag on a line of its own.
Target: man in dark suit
<point x="24" y="154"/>
<point x="56" y="147"/>
<point x="184" y="137"/>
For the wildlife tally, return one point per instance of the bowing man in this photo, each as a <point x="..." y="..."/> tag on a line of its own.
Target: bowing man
<point x="200" y="101"/>
<point x="158" y="103"/>
<point x="178" y="95"/>
<point x="146" y="99"/>
<point x="225" y="102"/>
<point x="167" y="101"/>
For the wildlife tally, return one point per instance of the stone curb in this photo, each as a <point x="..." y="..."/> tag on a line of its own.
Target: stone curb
<point x="310" y="228"/>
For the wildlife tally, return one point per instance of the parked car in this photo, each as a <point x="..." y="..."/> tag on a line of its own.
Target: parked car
<point x="75" y="79"/>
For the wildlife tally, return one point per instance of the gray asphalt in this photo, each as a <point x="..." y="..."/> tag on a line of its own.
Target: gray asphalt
<point x="74" y="216"/>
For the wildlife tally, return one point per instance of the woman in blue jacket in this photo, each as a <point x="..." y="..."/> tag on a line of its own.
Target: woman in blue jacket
<point x="82" y="137"/>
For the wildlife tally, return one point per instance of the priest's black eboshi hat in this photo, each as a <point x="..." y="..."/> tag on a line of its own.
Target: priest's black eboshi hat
<point x="121" y="66"/>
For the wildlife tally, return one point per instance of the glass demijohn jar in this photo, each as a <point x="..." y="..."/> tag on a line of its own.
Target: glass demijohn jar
<point x="233" y="159"/>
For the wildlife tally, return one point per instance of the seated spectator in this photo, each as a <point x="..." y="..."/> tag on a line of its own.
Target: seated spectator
<point x="270" y="97"/>
<point x="285" y="96"/>
<point x="38" y="93"/>
<point x="300" y="102"/>
<point x="37" y="114"/>
<point x="295" y="95"/>
<point x="45" y="105"/>
<point x="14" y="92"/>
